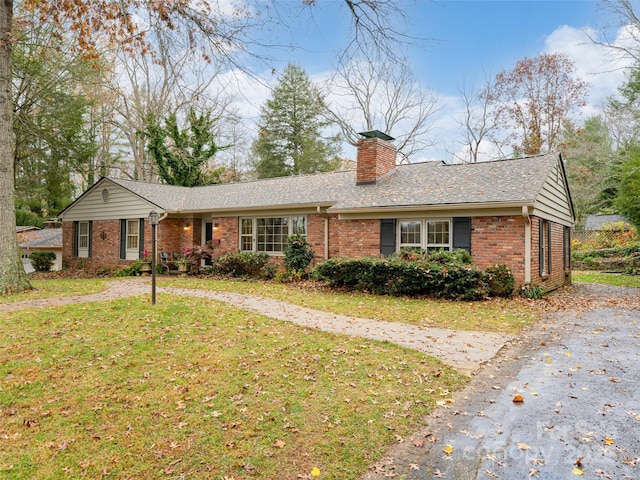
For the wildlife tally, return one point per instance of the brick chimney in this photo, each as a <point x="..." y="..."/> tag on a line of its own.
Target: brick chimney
<point x="376" y="157"/>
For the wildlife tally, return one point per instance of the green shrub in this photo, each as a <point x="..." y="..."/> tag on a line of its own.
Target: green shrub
<point x="500" y="281"/>
<point x="457" y="256"/>
<point x="534" y="292"/>
<point x="42" y="261"/>
<point x="240" y="264"/>
<point x="268" y="271"/>
<point x="297" y="254"/>
<point x="132" y="270"/>
<point x="395" y="276"/>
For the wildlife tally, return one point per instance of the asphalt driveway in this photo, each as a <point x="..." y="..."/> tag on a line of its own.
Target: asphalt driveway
<point x="578" y="373"/>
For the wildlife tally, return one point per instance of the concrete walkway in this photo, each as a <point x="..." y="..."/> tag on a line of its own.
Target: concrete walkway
<point x="466" y="351"/>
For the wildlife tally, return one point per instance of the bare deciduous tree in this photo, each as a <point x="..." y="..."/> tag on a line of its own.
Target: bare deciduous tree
<point x="366" y="95"/>
<point x="478" y="122"/>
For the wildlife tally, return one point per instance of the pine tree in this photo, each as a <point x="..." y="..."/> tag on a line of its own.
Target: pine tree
<point x="290" y="141"/>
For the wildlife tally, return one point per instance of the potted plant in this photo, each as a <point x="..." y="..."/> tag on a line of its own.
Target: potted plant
<point x="184" y="261"/>
<point x="145" y="263"/>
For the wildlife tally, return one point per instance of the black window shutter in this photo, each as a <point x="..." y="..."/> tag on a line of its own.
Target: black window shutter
<point x="462" y="233"/>
<point x="76" y="231"/>
<point x="387" y="236"/>
<point x="90" y="237"/>
<point x="123" y="239"/>
<point x="141" y="239"/>
<point x="549" y="256"/>
<point x="541" y="246"/>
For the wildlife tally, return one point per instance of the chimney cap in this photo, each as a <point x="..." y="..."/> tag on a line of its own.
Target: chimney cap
<point x="377" y="134"/>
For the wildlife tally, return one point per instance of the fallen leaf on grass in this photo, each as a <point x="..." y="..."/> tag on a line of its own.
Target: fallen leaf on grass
<point x="315" y="472"/>
<point x="279" y="444"/>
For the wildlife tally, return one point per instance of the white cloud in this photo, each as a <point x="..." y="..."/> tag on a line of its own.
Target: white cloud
<point x="597" y="64"/>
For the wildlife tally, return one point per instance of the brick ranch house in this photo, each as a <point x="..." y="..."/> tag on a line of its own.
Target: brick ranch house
<point x="517" y="212"/>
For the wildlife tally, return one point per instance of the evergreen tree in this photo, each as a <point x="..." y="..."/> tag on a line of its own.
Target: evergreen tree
<point x="627" y="198"/>
<point x="183" y="155"/>
<point x="51" y="136"/>
<point x="590" y="163"/>
<point x="290" y="141"/>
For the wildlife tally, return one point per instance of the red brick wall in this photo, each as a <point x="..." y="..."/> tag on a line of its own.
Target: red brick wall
<point x="227" y="233"/>
<point x="558" y="277"/>
<point x="359" y="238"/>
<point x="499" y="240"/>
<point x="375" y="158"/>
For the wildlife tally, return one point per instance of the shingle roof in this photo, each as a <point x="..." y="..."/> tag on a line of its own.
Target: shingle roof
<point x="45" y="238"/>
<point x="429" y="184"/>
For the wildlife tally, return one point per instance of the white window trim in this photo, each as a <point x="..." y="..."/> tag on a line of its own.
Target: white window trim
<point x="83" y="252"/>
<point x="254" y="231"/>
<point x="424" y="245"/>
<point x="131" y="252"/>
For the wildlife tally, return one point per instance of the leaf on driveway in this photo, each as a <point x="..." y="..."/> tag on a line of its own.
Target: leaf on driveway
<point x="608" y="441"/>
<point x="524" y="446"/>
<point x="518" y="399"/>
<point x="448" y="449"/>
<point x="577" y="471"/>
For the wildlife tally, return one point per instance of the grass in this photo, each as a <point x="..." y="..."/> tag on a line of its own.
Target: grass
<point x="58" y="288"/>
<point x="617" y="279"/>
<point x="197" y="389"/>
<point x="497" y="315"/>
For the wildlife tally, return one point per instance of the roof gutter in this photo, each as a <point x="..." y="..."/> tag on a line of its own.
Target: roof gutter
<point x="443" y="206"/>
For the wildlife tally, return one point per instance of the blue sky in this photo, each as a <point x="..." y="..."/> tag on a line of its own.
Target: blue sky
<point x="463" y="41"/>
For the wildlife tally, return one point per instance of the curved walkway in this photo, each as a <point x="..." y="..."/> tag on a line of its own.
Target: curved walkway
<point x="463" y="350"/>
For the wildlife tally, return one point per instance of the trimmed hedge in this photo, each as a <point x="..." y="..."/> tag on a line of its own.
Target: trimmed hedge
<point x="443" y="275"/>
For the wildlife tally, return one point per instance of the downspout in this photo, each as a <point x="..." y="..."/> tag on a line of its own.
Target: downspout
<point x="326" y="232"/>
<point x="527" y="244"/>
<point x="326" y="238"/>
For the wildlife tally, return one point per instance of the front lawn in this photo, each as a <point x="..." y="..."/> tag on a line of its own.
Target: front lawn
<point x="496" y="315"/>
<point x="196" y="389"/>
<point x="616" y="279"/>
<point x="59" y="287"/>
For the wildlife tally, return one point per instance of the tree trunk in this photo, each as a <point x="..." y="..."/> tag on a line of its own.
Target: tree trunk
<point x="12" y="275"/>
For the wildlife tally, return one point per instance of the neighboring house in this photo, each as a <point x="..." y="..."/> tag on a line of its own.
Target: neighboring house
<point x="517" y="212"/>
<point x="46" y="240"/>
<point x="596" y="222"/>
